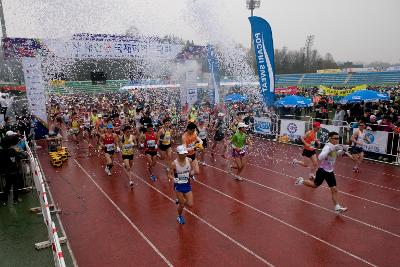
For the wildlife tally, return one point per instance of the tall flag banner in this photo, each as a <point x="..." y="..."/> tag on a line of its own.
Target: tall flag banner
<point x="264" y="50"/>
<point x="213" y="67"/>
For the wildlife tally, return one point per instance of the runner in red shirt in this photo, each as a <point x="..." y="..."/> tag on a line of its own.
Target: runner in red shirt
<point x="149" y="142"/>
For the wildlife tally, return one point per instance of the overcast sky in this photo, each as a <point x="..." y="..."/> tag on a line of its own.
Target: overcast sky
<point x="354" y="30"/>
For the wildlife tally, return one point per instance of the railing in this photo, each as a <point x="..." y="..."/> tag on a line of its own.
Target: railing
<point x="380" y="146"/>
<point x="54" y="241"/>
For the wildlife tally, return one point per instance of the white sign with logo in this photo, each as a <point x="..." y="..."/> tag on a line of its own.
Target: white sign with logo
<point x="375" y="141"/>
<point x="262" y="125"/>
<point x="293" y="128"/>
<point x="32" y="69"/>
<point x="324" y="131"/>
<point x="188" y="82"/>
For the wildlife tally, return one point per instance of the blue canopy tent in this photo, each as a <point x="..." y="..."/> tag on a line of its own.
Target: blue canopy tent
<point x="364" y="95"/>
<point x="292" y="101"/>
<point x="235" y="98"/>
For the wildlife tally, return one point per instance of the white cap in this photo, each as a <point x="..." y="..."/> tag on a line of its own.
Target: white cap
<point x="242" y="125"/>
<point x="181" y="150"/>
<point x="10" y="133"/>
<point x="221" y="114"/>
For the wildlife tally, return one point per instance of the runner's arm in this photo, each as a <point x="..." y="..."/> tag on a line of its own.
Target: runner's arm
<point x="304" y="137"/>
<point x="354" y="138"/>
<point x="324" y="153"/>
<point x="171" y="171"/>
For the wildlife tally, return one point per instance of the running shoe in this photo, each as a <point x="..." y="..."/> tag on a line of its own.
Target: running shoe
<point x="193" y="177"/>
<point x="131" y="184"/>
<point x="299" y="181"/>
<point x="180" y="220"/>
<point x="202" y="163"/>
<point x="107" y="170"/>
<point x="239" y="178"/>
<point x="4" y="204"/>
<point x="176" y="201"/>
<point x="153" y="178"/>
<point x="355" y="169"/>
<point x="340" y="209"/>
<point x="294" y="162"/>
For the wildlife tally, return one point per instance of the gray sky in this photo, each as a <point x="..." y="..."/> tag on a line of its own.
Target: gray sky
<point x="354" y="30"/>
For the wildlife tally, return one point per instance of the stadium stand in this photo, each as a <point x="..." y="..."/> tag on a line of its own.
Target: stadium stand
<point x="309" y="79"/>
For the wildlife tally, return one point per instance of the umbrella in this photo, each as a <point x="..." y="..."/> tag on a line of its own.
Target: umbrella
<point x="294" y="101"/>
<point x="235" y="98"/>
<point x="364" y="95"/>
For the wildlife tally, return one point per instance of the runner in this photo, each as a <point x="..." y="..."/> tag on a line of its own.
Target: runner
<point x="310" y="142"/>
<point x="189" y="140"/>
<point x="219" y="129"/>
<point x="180" y="170"/>
<point x="127" y="144"/>
<point x="108" y="140"/>
<point x="325" y="171"/>
<point x="202" y="128"/>
<point x="239" y="140"/>
<point x="75" y="129"/>
<point x="149" y="141"/>
<point x="165" y="137"/>
<point x="356" y="149"/>
<point x="87" y="126"/>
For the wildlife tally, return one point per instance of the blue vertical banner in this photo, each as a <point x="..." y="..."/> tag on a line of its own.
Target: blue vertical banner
<point x="213" y="67"/>
<point x="264" y="50"/>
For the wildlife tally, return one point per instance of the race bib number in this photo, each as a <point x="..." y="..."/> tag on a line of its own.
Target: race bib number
<point x="128" y="146"/>
<point x="182" y="178"/>
<point x="110" y="147"/>
<point x="151" y="143"/>
<point x="203" y="135"/>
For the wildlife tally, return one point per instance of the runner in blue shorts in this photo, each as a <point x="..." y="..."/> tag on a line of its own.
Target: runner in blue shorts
<point x="180" y="171"/>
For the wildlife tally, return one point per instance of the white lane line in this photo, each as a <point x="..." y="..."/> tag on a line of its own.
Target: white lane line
<point x="348" y="178"/>
<point x="288" y="224"/>
<point x="310" y="203"/>
<point x="125" y="216"/>
<point x="342" y="192"/>
<point x="210" y="225"/>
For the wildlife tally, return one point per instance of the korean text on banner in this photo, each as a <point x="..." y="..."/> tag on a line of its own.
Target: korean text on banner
<point x="294" y="129"/>
<point x="264" y="50"/>
<point x="341" y="92"/>
<point x="213" y="67"/>
<point x="375" y="141"/>
<point x="95" y="46"/>
<point x="262" y="125"/>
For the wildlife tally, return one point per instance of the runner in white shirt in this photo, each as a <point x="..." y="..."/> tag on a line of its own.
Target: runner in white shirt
<point x="357" y="150"/>
<point x="325" y="171"/>
<point x="180" y="171"/>
<point x="202" y="134"/>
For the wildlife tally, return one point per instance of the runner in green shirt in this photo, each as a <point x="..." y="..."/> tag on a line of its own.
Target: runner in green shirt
<point x="239" y="140"/>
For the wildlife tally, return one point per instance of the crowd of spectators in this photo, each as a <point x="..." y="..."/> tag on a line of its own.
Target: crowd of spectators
<point x="12" y="156"/>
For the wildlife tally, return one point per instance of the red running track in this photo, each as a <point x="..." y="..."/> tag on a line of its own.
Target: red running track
<point x="263" y="220"/>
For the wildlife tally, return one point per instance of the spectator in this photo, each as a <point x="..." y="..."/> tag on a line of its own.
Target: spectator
<point x="11" y="157"/>
<point x="339" y="116"/>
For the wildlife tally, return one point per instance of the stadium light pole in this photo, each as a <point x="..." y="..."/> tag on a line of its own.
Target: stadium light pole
<point x="251" y="5"/>
<point x="2" y="21"/>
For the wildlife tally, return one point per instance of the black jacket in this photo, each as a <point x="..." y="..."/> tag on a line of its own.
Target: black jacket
<point x="10" y="160"/>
